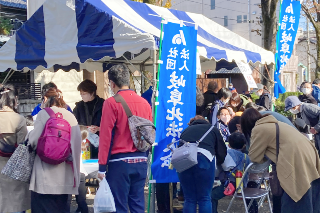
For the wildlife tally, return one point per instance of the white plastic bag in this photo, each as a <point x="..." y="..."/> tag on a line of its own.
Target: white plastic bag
<point x="104" y="201"/>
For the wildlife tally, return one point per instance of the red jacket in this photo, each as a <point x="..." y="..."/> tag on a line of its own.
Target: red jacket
<point x="114" y="127"/>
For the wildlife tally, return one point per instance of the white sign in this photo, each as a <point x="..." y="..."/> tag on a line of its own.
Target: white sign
<point x="247" y="74"/>
<point x="244" y="67"/>
<point x="198" y="72"/>
<point x="250" y="81"/>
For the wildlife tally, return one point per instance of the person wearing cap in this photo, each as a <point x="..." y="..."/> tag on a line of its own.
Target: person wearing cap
<point x="309" y="113"/>
<point x="264" y="97"/>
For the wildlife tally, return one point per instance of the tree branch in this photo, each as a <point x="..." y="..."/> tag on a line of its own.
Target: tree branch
<point x="312" y="56"/>
<point x="309" y="16"/>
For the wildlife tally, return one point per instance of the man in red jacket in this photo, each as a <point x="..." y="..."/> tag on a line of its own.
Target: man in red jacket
<point x="127" y="167"/>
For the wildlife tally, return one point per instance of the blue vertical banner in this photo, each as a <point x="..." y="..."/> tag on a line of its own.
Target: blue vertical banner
<point x="288" y="27"/>
<point x="177" y="95"/>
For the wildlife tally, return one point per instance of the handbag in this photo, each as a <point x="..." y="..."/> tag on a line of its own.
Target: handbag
<point x="186" y="156"/>
<point x="275" y="186"/>
<point x="229" y="190"/>
<point x="20" y="164"/>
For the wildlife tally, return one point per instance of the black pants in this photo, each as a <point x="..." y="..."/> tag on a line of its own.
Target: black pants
<point x="309" y="203"/>
<point x="47" y="203"/>
<point x="276" y="200"/>
<point x="81" y="198"/>
<point x="163" y="196"/>
<point x="217" y="194"/>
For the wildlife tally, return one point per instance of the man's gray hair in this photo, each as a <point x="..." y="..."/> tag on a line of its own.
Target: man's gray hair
<point x="120" y="75"/>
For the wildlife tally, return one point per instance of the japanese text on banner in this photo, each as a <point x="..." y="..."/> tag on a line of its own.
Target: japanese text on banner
<point x="289" y="23"/>
<point x="177" y="95"/>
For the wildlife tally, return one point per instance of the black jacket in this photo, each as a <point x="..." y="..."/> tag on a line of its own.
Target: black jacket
<point x="213" y="142"/>
<point x="209" y="98"/>
<point x="265" y="100"/>
<point x="80" y="112"/>
<point x="308" y="99"/>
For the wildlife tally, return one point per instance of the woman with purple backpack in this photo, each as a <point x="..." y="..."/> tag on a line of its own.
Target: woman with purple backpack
<point x="54" y="177"/>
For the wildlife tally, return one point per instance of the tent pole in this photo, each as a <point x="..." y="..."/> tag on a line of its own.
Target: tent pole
<point x="154" y="94"/>
<point x="136" y="69"/>
<point x="8" y="76"/>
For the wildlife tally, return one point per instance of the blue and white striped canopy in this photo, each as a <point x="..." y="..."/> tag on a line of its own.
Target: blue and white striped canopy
<point x="60" y="33"/>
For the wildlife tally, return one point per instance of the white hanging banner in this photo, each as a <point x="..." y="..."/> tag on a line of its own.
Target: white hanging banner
<point x="198" y="64"/>
<point x="250" y="81"/>
<point x="244" y="67"/>
<point x="247" y="74"/>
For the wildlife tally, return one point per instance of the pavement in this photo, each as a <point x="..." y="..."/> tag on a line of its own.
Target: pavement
<point x="237" y="206"/>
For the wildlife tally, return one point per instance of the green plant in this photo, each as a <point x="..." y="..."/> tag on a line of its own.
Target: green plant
<point x="254" y="97"/>
<point x="279" y="104"/>
<point x="5" y="26"/>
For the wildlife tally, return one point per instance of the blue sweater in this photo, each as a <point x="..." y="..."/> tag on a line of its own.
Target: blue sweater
<point x="316" y="93"/>
<point x="37" y="109"/>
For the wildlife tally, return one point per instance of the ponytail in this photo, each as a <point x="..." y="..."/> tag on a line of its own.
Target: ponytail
<point x="55" y="98"/>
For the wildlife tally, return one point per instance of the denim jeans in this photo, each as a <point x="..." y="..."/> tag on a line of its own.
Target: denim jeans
<point x="308" y="203"/>
<point x="197" y="183"/>
<point x="126" y="181"/>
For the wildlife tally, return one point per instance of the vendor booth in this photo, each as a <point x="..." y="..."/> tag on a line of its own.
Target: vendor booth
<point x="95" y="34"/>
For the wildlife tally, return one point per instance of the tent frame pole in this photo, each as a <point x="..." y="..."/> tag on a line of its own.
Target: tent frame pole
<point x="154" y="94"/>
<point x="137" y="69"/>
<point x="8" y="76"/>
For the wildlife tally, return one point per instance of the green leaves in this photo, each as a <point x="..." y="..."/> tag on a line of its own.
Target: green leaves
<point x="5" y="26"/>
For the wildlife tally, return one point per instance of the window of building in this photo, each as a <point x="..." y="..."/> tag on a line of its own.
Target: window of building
<point x="213" y="4"/>
<point x="225" y="21"/>
<point x="239" y="19"/>
<point x="245" y="19"/>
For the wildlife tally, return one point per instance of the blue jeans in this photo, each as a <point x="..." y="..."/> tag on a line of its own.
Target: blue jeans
<point x="126" y="181"/>
<point x="308" y="203"/>
<point x="197" y="183"/>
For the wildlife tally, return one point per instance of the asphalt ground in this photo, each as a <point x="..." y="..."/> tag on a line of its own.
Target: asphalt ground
<point x="237" y="206"/>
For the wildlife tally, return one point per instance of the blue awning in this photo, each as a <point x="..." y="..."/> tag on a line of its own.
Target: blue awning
<point x="61" y="34"/>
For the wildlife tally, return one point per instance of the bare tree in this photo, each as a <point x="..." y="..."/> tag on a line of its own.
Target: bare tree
<point x="269" y="32"/>
<point x="311" y="8"/>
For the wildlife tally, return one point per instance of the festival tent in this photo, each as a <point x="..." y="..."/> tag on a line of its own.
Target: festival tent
<point x="90" y="32"/>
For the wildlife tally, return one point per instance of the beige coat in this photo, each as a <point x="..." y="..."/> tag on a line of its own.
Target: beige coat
<point x="56" y="179"/>
<point x="14" y="195"/>
<point x="298" y="161"/>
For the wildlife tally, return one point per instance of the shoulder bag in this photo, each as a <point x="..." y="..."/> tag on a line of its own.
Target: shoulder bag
<point x="186" y="156"/>
<point x="20" y="165"/>
<point x="276" y="188"/>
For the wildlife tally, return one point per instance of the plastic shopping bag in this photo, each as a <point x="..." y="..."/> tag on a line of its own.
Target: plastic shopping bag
<point x="104" y="201"/>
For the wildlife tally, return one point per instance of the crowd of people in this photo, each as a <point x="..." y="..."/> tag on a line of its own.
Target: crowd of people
<point x="51" y="186"/>
<point x="246" y="132"/>
<point x="240" y="129"/>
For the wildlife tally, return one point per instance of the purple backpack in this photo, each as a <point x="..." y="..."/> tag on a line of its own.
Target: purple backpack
<point x="54" y="145"/>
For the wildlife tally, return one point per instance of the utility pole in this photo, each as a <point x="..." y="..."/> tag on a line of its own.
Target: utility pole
<point x="202" y="7"/>
<point x="249" y="17"/>
<point x="308" y="73"/>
